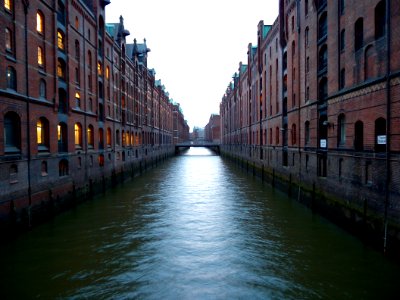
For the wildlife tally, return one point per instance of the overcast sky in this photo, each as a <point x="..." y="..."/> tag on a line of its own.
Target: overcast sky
<point x="196" y="46"/>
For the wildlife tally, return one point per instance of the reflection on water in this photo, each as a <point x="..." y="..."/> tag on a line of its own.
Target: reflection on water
<point x="194" y="228"/>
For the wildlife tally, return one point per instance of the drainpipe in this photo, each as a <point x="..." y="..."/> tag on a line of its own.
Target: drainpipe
<point x="388" y="116"/>
<point x="28" y="127"/>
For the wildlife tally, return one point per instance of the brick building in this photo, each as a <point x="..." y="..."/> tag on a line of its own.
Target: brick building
<point x="180" y="127"/>
<point x="79" y="108"/>
<point x="317" y="106"/>
<point x="212" y="131"/>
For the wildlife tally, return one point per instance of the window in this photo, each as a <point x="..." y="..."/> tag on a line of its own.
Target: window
<point x="342" y="78"/>
<point x="90" y="104"/>
<point x="39" y="22"/>
<point x="341" y="137"/>
<point x="307" y="64"/>
<point x="63" y="167"/>
<point x="306" y="36"/>
<point x="42" y="134"/>
<point x="62" y="137"/>
<point x="306" y="7"/>
<point x="40" y="59"/>
<point x="78" y="99"/>
<point x="341" y="7"/>
<point x="99" y="68"/>
<point x="108" y="137"/>
<point x="62" y="101"/>
<point x="78" y="135"/>
<point x="323" y="89"/>
<point x="294" y="137"/>
<point x="44" y="171"/>
<point x="11" y="78"/>
<point x="307" y="93"/>
<point x="322" y="26"/>
<point x="9" y="40"/>
<point x="90" y="136"/>
<point x="77" y="23"/>
<point x="359" y="136"/>
<point x="77" y="76"/>
<point x="8" y="4"/>
<point x="323" y="58"/>
<point x="12" y="132"/>
<point x="90" y="60"/>
<point x="61" y="68"/>
<point x="380" y="19"/>
<point x="307" y="132"/>
<point x="101" y="160"/>
<point x="117" y="137"/>
<point x="380" y="135"/>
<point x="60" y="40"/>
<point x="277" y="135"/>
<point x="359" y="34"/>
<point x="61" y="12"/>
<point x="123" y="138"/>
<point x="108" y="72"/>
<point x="42" y="89"/>
<point x="77" y="50"/>
<point x="342" y="40"/>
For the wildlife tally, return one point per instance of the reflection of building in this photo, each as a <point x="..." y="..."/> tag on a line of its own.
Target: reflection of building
<point x="212" y="130"/>
<point x="317" y="104"/>
<point x="78" y="106"/>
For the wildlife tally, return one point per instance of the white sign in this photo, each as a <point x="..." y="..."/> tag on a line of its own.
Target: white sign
<point x="322" y="143"/>
<point x="381" y="139"/>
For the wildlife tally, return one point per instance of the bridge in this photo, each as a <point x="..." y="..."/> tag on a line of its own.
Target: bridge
<point x="207" y="144"/>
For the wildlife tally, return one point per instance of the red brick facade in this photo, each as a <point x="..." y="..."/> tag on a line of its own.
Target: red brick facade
<point x="317" y="105"/>
<point x="78" y="106"/>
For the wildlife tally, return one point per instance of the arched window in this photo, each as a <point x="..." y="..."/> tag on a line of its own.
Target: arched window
<point x="99" y="69"/>
<point x="12" y="132"/>
<point x="90" y="60"/>
<point x="9" y="40"/>
<point x="323" y="26"/>
<point x="60" y="40"/>
<point x="342" y="39"/>
<point x="42" y="134"/>
<point x="306" y="7"/>
<point x="77" y="50"/>
<point x="61" y="12"/>
<point x="380" y="19"/>
<point x="62" y="101"/>
<point x="78" y="135"/>
<point x="40" y="58"/>
<point x="323" y="58"/>
<point x="61" y="68"/>
<point x="323" y="89"/>
<point x="42" y="88"/>
<point x="380" y="135"/>
<point x="359" y="34"/>
<point x="62" y="137"/>
<point x="63" y="167"/>
<point x="11" y="78"/>
<point x="107" y="72"/>
<point x="108" y="138"/>
<point x="341" y="134"/>
<point x="307" y="132"/>
<point x="40" y="22"/>
<point x="359" y="136"/>
<point x="90" y="136"/>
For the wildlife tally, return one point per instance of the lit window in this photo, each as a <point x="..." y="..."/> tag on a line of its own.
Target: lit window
<point x="108" y="72"/>
<point x="40" y="58"/>
<point x="78" y="135"/>
<point x="8" y="40"/>
<point x="60" y="41"/>
<point x="78" y="99"/>
<point x="108" y="137"/>
<point x="7" y="4"/>
<point x="90" y="136"/>
<point x="61" y="68"/>
<point x="11" y="78"/>
<point x="39" y="22"/>
<point x="99" y="68"/>
<point x="62" y="137"/>
<point x="42" y="137"/>
<point x="40" y="131"/>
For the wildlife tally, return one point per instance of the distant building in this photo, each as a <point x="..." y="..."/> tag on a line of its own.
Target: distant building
<point x="212" y="130"/>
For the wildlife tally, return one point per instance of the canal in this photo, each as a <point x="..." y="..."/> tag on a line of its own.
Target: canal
<point x="195" y="227"/>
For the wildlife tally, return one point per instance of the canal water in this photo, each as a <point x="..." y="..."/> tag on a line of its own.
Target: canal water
<point x="195" y="227"/>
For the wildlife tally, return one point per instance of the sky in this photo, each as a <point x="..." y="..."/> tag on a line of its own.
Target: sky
<point x="196" y="46"/>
